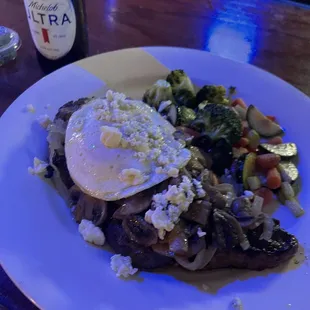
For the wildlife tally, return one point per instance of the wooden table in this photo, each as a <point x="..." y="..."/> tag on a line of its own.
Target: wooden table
<point x="273" y="35"/>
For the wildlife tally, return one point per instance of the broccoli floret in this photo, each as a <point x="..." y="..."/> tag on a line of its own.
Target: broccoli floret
<point x="212" y="94"/>
<point x="219" y="121"/>
<point x="184" y="97"/>
<point x="160" y="91"/>
<point x="232" y="90"/>
<point x="185" y="116"/>
<point x="178" y="80"/>
<point x="182" y="88"/>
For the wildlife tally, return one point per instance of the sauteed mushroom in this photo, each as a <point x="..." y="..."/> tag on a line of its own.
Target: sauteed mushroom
<point x="91" y="209"/>
<point x="134" y="204"/>
<point x="139" y="231"/>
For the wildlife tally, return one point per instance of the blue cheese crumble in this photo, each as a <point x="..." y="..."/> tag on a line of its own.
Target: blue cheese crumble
<point x="91" y="233"/>
<point x="30" y="108"/>
<point x="168" y="206"/>
<point x="110" y="136"/>
<point x="44" y="121"/>
<point x="136" y="130"/>
<point x="199" y="190"/>
<point x="132" y="176"/>
<point x="39" y="167"/>
<point x="122" y="266"/>
<point x="201" y="233"/>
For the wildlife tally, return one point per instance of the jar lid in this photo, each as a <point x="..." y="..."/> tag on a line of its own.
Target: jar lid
<point x="9" y="44"/>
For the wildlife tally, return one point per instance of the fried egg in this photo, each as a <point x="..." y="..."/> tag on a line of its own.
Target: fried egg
<point x="116" y="147"/>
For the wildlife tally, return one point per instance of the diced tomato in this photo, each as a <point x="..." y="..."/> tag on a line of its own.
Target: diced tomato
<point x="267" y="161"/>
<point x="243" y="142"/>
<point x="265" y="193"/>
<point x="273" y="179"/>
<point x="275" y="140"/>
<point x="240" y="102"/>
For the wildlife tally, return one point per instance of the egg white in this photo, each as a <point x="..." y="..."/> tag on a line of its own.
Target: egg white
<point x="96" y="168"/>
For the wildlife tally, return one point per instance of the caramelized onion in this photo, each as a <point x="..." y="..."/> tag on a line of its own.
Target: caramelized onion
<point x="244" y="243"/>
<point x="196" y="244"/>
<point x="162" y="249"/>
<point x="201" y="260"/>
<point x="268" y="228"/>
<point x="198" y="212"/>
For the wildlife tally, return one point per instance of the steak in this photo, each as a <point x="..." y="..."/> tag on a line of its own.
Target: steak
<point x="261" y="255"/>
<point x="59" y="160"/>
<point x="142" y="257"/>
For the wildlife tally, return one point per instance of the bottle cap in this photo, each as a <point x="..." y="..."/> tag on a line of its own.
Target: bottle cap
<point x="9" y="44"/>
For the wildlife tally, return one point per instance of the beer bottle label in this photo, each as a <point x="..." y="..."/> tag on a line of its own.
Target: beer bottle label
<point x="52" y="26"/>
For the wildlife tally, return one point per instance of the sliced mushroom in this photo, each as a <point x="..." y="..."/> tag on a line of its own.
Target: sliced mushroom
<point x="207" y="177"/>
<point x="198" y="212"/>
<point x="241" y="207"/>
<point x="139" y="231"/>
<point x="194" y="167"/>
<point x="202" y="157"/>
<point x="201" y="260"/>
<point x="162" y="249"/>
<point x="178" y="239"/>
<point x="91" y="209"/>
<point x="225" y="188"/>
<point x="216" y="198"/>
<point x="134" y="204"/>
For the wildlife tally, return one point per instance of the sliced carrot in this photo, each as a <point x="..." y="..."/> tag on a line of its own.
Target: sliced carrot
<point x="265" y="193"/>
<point x="240" y="102"/>
<point x="271" y="117"/>
<point x="267" y="161"/>
<point x="273" y="179"/>
<point x="275" y="140"/>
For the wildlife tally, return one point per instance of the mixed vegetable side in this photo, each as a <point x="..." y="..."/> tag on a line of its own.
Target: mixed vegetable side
<point x="244" y="147"/>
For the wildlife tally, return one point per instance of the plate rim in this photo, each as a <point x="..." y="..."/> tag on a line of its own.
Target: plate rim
<point x="147" y="49"/>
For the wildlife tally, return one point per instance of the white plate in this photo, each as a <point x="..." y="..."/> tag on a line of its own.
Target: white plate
<point x="40" y="246"/>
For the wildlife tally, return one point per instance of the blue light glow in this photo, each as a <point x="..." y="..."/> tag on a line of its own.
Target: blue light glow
<point x="235" y="40"/>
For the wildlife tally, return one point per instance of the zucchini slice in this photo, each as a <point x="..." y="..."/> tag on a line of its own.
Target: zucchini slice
<point x="248" y="169"/>
<point x="264" y="126"/>
<point x="283" y="149"/>
<point x="288" y="171"/>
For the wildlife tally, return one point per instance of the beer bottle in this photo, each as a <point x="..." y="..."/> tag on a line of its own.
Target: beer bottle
<point x="59" y="31"/>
